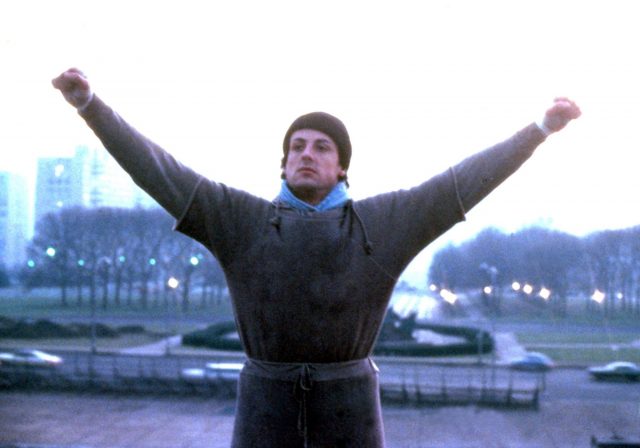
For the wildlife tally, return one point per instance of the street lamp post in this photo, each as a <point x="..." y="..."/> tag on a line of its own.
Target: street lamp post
<point x="102" y="267"/>
<point x="172" y="284"/>
<point x="491" y="292"/>
<point x="92" y="351"/>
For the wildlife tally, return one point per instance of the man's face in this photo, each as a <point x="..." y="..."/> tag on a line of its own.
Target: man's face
<point x="313" y="165"/>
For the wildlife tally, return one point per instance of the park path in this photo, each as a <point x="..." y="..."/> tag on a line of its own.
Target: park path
<point x="507" y="347"/>
<point x="156" y="348"/>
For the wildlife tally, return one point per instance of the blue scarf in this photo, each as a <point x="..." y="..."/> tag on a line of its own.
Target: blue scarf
<point x="336" y="198"/>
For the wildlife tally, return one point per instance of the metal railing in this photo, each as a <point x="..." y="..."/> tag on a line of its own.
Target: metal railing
<point x="415" y="383"/>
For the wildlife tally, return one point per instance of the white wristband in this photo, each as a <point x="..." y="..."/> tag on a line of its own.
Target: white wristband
<point x="81" y="109"/>
<point x="544" y="128"/>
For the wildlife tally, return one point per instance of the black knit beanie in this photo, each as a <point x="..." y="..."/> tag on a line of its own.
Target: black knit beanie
<point x="323" y="122"/>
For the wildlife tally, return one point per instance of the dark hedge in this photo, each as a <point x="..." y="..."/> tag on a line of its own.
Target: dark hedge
<point x="216" y="337"/>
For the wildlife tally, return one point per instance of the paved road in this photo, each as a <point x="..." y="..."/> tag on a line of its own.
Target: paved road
<point x="571" y="410"/>
<point x="575" y="385"/>
<point x="559" y="384"/>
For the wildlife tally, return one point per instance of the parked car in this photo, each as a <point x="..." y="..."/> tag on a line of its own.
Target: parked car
<point x="619" y="370"/>
<point x="213" y="371"/>
<point x="532" y="362"/>
<point x="30" y="358"/>
<point x="615" y="441"/>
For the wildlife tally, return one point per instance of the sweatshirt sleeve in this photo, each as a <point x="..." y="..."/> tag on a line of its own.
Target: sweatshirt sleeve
<point x="478" y="175"/>
<point x="154" y="170"/>
<point x="404" y="222"/>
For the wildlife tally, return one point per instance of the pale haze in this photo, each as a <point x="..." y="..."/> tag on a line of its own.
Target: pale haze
<point x="419" y="85"/>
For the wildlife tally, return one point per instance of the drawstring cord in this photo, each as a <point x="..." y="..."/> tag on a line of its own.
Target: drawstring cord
<point x="277" y="219"/>
<point x="302" y="386"/>
<point x="368" y="247"/>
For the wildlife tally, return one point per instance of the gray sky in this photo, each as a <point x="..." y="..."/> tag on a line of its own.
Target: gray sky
<point x="420" y="85"/>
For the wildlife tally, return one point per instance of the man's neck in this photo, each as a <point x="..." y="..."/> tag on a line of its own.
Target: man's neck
<point x="311" y="196"/>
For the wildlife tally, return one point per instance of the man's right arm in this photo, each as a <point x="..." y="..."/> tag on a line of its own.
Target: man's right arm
<point x="170" y="183"/>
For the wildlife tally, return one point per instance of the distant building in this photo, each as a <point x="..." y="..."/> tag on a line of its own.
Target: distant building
<point x="91" y="178"/>
<point x="14" y="219"/>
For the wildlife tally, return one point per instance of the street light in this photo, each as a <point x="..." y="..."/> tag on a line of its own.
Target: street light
<point x="448" y="296"/>
<point x="598" y="296"/>
<point x="51" y="252"/>
<point x="545" y="293"/>
<point x="173" y="283"/>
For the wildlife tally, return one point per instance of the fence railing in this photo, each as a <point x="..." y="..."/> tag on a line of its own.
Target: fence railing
<point x="400" y="383"/>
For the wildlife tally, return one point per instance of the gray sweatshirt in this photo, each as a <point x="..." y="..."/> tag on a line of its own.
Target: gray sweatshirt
<point x="309" y="287"/>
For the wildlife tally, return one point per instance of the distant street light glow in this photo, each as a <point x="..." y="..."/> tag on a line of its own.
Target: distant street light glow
<point x="516" y="286"/>
<point x="194" y="261"/>
<point x="51" y="252"/>
<point x="448" y="296"/>
<point x="545" y="293"/>
<point x="487" y="290"/>
<point x="527" y="288"/>
<point x="173" y="283"/>
<point x="598" y="296"/>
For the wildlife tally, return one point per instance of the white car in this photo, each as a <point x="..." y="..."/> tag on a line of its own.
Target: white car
<point x="533" y="362"/>
<point x="619" y="370"/>
<point x="30" y="358"/>
<point x="213" y="371"/>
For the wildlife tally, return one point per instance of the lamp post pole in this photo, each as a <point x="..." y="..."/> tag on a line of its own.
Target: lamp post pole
<point x="172" y="284"/>
<point x="92" y="352"/>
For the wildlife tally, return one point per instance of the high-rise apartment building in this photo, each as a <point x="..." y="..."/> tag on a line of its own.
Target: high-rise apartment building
<point x="14" y="218"/>
<point x="91" y="178"/>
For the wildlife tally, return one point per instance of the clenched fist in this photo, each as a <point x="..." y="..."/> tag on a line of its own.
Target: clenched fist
<point x="75" y="88"/>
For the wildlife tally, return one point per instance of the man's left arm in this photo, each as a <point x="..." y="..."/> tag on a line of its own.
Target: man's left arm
<point x="478" y="175"/>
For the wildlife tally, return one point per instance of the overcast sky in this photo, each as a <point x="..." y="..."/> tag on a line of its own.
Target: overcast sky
<point x="420" y="85"/>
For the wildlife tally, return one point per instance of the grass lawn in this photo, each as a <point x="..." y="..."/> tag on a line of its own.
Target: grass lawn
<point x="102" y="344"/>
<point x="566" y="337"/>
<point x="158" y="321"/>
<point x="590" y="356"/>
<point x="45" y="303"/>
<point x="610" y="338"/>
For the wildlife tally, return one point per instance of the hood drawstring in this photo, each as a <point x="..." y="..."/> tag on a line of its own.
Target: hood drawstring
<point x="368" y="247"/>
<point x="349" y="206"/>
<point x="276" y="221"/>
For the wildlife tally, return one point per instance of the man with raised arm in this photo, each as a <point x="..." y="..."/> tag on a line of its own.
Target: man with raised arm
<point x="311" y="272"/>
